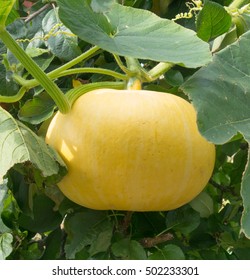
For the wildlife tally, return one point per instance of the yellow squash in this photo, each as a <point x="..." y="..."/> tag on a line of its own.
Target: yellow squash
<point x="131" y="150"/>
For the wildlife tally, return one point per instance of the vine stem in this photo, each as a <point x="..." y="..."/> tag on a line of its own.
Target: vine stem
<point x="92" y="70"/>
<point x="122" y="66"/>
<point x="13" y="98"/>
<point x="158" y="70"/>
<point x="133" y="65"/>
<point x="148" y="76"/>
<point x="236" y="4"/>
<point x="52" y="75"/>
<point x="75" y="61"/>
<point x="52" y="89"/>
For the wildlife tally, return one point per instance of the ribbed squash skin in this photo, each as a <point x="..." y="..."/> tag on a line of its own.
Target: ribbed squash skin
<point x="131" y="150"/>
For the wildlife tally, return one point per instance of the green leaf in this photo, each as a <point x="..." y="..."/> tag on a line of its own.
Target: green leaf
<point x="168" y="252"/>
<point x="43" y="218"/>
<point x="242" y="253"/>
<point x="174" y="78"/>
<point x="19" y="144"/>
<point x="7" y="86"/>
<point x="213" y="20"/>
<point x="21" y="190"/>
<point x="44" y="61"/>
<point x="5" y="9"/>
<point x="87" y="228"/>
<point x="150" y="223"/>
<point x="13" y="15"/>
<point x="37" y="110"/>
<point x="183" y="219"/>
<point x="102" y="241"/>
<point x="134" y="32"/>
<point x="245" y="193"/>
<point x="128" y="250"/>
<point x="61" y="42"/>
<point x="203" y="204"/>
<point x="220" y="93"/>
<point x="6" y="248"/>
<point x="53" y="245"/>
<point x="18" y="29"/>
<point x="33" y="251"/>
<point x="34" y="52"/>
<point x="3" y="195"/>
<point x="10" y="212"/>
<point x="100" y="6"/>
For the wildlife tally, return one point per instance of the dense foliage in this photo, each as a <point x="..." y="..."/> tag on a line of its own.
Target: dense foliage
<point x="210" y="69"/>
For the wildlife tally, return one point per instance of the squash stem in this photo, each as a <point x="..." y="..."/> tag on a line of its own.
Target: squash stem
<point x="134" y="84"/>
<point x="75" y="93"/>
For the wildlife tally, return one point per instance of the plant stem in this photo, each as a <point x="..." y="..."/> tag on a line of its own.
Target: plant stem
<point x="52" y="75"/>
<point x="123" y="67"/>
<point x="149" y="242"/>
<point x="134" y="84"/>
<point x="236" y="4"/>
<point x="32" y="16"/>
<point x="57" y="72"/>
<point x="133" y="65"/>
<point x="75" y="61"/>
<point x="140" y="74"/>
<point x="158" y="70"/>
<point x="13" y="98"/>
<point x="52" y="89"/>
<point x="75" y="93"/>
<point x="90" y="70"/>
<point x="126" y="222"/>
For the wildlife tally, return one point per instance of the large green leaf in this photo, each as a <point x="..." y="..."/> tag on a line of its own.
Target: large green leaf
<point x="134" y="32"/>
<point x="101" y="6"/>
<point x="18" y="144"/>
<point x="220" y="93"/>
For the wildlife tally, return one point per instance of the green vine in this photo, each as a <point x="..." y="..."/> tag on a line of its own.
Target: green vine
<point x="13" y="98"/>
<point x="52" y="89"/>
